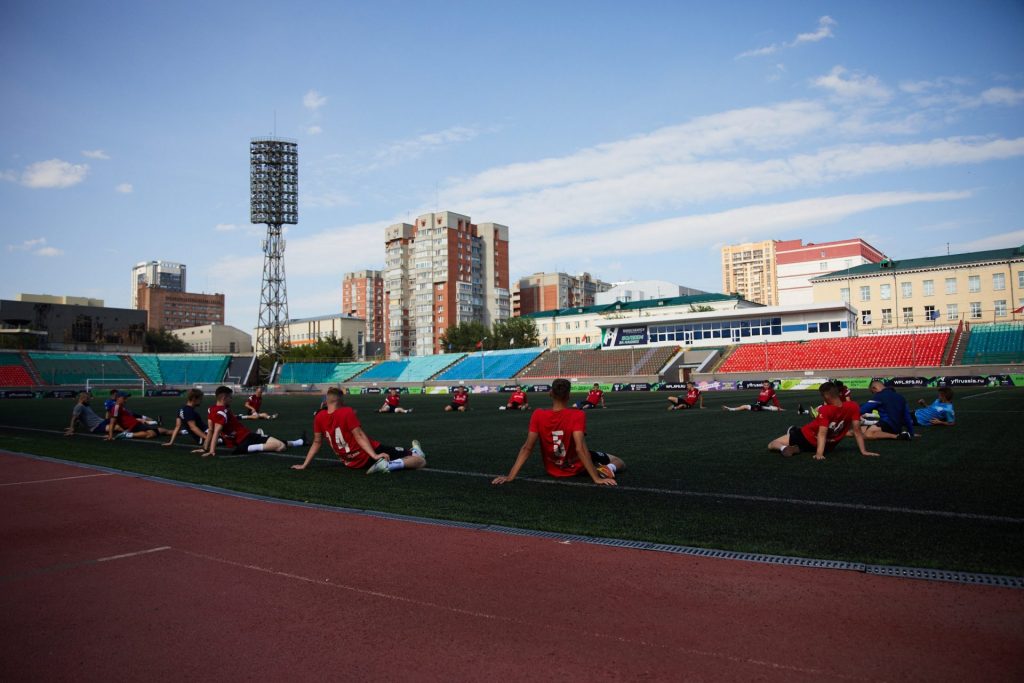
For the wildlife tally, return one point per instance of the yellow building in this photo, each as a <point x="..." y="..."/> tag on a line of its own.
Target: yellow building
<point x="749" y="270"/>
<point x="979" y="287"/>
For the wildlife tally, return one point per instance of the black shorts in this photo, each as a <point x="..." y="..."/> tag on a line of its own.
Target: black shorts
<point x="682" y="404"/>
<point x="393" y="453"/>
<point x="887" y="428"/>
<point x="250" y="440"/>
<point x="101" y="428"/>
<point x="140" y="427"/>
<point x="514" y="405"/>
<point x="388" y="409"/>
<point x="797" y="438"/>
<point x="455" y="406"/>
<point x="599" y="458"/>
<point x="757" y="405"/>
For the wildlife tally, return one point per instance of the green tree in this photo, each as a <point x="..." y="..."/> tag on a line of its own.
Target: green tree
<point x="701" y="308"/>
<point x="465" y="336"/>
<point x="162" y="341"/>
<point x="514" y="333"/>
<point x="328" y="347"/>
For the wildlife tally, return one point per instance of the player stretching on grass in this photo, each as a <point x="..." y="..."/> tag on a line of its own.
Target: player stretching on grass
<point x="939" y="412"/>
<point x="108" y="405"/>
<point x="692" y="398"/>
<point x="561" y="432"/>
<point x="517" y="401"/>
<point x="189" y="422"/>
<point x="131" y="426"/>
<point x="253" y="404"/>
<point x="225" y="424"/>
<point x="391" y="402"/>
<point x="83" y="413"/>
<point x="460" y="401"/>
<point x="594" y="397"/>
<point x="888" y="410"/>
<point x="821" y="435"/>
<point x="340" y="426"/>
<point x="766" y="400"/>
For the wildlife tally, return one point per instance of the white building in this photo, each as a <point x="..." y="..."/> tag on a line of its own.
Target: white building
<point x="215" y="338"/>
<point x="796" y="263"/>
<point x="642" y="290"/>
<point x="302" y="331"/>
<point x="157" y="274"/>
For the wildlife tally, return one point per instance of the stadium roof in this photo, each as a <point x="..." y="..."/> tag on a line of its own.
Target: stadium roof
<point x="694" y="299"/>
<point x="926" y="263"/>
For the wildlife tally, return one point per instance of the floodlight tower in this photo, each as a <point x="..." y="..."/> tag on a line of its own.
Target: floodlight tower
<point x="274" y="194"/>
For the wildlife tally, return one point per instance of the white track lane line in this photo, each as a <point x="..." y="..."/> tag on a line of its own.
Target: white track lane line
<point x="135" y="554"/>
<point x="44" y="481"/>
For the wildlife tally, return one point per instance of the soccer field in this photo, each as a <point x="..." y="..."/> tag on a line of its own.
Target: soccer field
<point x="949" y="500"/>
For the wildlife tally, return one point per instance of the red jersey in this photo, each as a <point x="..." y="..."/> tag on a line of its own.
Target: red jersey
<point x="554" y="429"/>
<point x="846" y="394"/>
<point x="232" y="430"/>
<point x="255" y="401"/>
<point x="123" y="417"/>
<point x="594" y="397"/>
<point x="838" y="420"/>
<point x="337" y="428"/>
<point x="392" y="400"/>
<point x="460" y="398"/>
<point x="768" y="396"/>
<point x="692" y="396"/>
<point x="518" y="396"/>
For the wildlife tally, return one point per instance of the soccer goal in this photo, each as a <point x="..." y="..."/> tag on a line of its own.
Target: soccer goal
<point x="123" y="383"/>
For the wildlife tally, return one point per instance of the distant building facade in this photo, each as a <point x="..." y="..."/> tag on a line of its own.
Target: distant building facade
<point x="643" y="290"/>
<point x="157" y="274"/>
<point x="548" y="291"/>
<point x="71" y="327"/>
<point x="169" y="309"/>
<point x="303" y="331"/>
<point x="65" y="300"/>
<point x="749" y="270"/>
<point x="362" y="296"/>
<point x="796" y="263"/>
<point x="215" y="338"/>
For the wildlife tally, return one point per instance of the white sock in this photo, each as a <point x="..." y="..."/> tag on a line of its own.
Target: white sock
<point x="129" y="435"/>
<point x="256" y="448"/>
<point x="782" y="448"/>
<point x="297" y="442"/>
<point x="770" y="408"/>
<point x="501" y="408"/>
<point x="396" y="465"/>
<point x="611" y="467"/>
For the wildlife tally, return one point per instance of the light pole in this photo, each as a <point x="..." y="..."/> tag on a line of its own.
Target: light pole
<point x="483" y="373"/>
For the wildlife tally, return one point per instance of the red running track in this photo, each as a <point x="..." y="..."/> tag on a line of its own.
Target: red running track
<point x="234" y="589"/>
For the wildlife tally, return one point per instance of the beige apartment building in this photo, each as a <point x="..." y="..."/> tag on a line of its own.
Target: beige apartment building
<point x="362" y="296"/>
<point x="749" y="270"/>
<point x="548" y="291"/>
<point x="977" y="287"/>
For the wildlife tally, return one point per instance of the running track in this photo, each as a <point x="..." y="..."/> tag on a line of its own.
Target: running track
<point x="109" y="577"/>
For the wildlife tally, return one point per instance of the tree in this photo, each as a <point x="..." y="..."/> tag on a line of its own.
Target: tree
<point x="515" y="333"/>
<point x="327" y="347"/>
<point x="162" y="341"/>
<point x="465" y="336"/>
<point x="701" y="308"/>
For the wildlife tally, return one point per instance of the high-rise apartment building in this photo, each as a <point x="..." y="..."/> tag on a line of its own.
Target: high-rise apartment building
<point x="549" y="291"/>
<point x="749" y="270"/>
<point x="157" y="274"/>
<point x="439" y="272"/>
<point x="362" y="295"/>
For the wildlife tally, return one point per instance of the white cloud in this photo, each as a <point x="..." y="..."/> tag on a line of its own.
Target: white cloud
<point x="48" y="251"/>
<point x="36" y="246"/>
<point x="848" y="85"/>
<point x="1014" y="238"/>
<point x="412" y="148"/>
<point x="53" y="173"/>
<point x="124" y="188"/>
<point x="313" y="100"/>
<point x="314" y="130"/>
<point x="95" y="154"/>
<point x="823" y="31"/>
<point x="1004" y="96"/>
<point x="225" y="227"/>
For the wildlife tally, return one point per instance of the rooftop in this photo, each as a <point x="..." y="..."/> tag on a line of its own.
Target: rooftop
<point x="694" y="299"/>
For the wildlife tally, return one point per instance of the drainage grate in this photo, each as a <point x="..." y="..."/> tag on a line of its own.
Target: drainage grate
<point x="421" y="520"/>
<point x="513" y="531"/>
<point x="755" y="557"/>
<point x="940" y="575"/>
<point x="617" y="542"/>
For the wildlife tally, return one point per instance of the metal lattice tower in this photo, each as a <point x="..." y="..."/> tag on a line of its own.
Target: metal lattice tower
<point x="274" y="193"/>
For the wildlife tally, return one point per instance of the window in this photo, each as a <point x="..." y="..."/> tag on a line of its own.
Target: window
<point x="887" y="316"/>
<point x="885" y="292"/>
<point x="844" y="294"/>
<point x="929" y="287"/>
<point x="950" y="285"/>
<point x="930" y="313"/>
<point x="975" y="310"/>
<point x="906" y="290"/>
<point x="973" y="283"/>
<point x="952" y="312"/>
<point x="1020" y="279"/>
<point x="908" y="314"/>
<point x="823" y="266"/>
<point x="1000" y="308"/>
<point x="865" y="317"/>
<point x="865" y="293"/>
<point x="999" y="281"/>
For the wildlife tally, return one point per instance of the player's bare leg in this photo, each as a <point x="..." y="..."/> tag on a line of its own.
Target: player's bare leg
<point x="781" y="444"/>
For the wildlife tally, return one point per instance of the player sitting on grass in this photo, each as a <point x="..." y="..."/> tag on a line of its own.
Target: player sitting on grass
<point x="766" y="400"/>
<point x="693" y="396"/>
<point x="517" y="401"/>
<point x="939" y="412"/>
<point x="225" y="425"/>
<point x="131" y="426"/>
<point x="189" y="422"/>
<point x="820" y="435"/>
<point x="594" y="397"/>
<point x="562" y="435"/>
<point x="253" y="404"/>
<point x="340" y="426"/>
<point x="844" y="394"/>
<point x="888" y="412"/>
<point x="108" y="405"/>
<point x="83" y="413"/>
<point x="460" y="401"/>
<point x="391" y="401"/>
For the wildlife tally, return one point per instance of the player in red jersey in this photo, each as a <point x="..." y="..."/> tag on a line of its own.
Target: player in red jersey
<point x="766" y="400"/>
<point x="594" y="398"/>
<point x="338" y="424"/>
<point x="517" y="401"/>
<point x="253" y="405"/>
<point x="562" y="435"/>
<point x="225" y="425"/>
<point x="820" y="435"/>
<point x="460" y="401"/>
<point x="391" y="403"/>
<point x="131" y="426"/>
<point x="844" y="395"/>
<point x="691" y="400"/>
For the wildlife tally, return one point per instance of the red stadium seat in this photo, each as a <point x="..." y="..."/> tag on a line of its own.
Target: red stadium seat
<point x="894" y="350"/>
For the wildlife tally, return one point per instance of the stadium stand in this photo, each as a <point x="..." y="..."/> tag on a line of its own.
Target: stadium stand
<point x="13" y="372"/>
<point x="149" y="365"/>
<point x="76" y="368"/>
<point x="592" y="362"/>
<point x="491" y="364"/>
<point x="189" y="368"/>
<point x="238" y="369"/>
<point x="875" y="351"/>
<point x="995" y="343"/>
<point x="415" y="369"/>
<point x="319" y="373"/>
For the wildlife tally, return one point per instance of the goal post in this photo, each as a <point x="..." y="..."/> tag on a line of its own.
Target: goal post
<point x="116" y="383"/>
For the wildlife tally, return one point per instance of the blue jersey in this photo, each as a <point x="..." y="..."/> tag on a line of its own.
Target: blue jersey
<point x="188" y="414"/>
<point x="936" y="411"/>
<point x="892" y="409"/>
<point x="108" y="405"/>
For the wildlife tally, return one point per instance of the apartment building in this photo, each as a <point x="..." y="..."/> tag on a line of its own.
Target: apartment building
<point x="749" y="270"/>
<point x="362" y="296"/>
<point x="548" y="291"/>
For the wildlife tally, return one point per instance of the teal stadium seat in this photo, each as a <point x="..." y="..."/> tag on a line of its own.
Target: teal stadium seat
<point x="490" y="365"/>
<point x="319" y="373"/>
<point x="76" y="368"/>
<point x="995" y="343"/>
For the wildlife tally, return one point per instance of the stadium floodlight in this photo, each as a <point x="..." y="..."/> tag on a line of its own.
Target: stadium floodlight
<point x="274" y="201"/>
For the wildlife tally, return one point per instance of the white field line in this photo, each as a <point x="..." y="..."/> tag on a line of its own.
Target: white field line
<point x="44" y="481"/>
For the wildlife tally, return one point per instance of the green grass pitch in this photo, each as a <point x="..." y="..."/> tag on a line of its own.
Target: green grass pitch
<point x="701" y="478"/>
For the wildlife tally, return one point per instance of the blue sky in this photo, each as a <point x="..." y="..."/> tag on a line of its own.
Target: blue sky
<point x="628" y="140"/>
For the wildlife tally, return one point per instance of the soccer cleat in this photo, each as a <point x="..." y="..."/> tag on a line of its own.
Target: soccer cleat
<point x="274" y="416"/>
<point x="814" y="411"/>
<point x="409" y="410"/>
<point x="799" y="408"/>
<point x="261" y="432"/>
<point x="502" y="408"/>
<point x="604" y="472"/>
<point x="790" y="451"/>
<point x="416" y="450"/>
<point x="121" y="435"/>
<point x="379" y="467"/>
<point x="904" y="436"/>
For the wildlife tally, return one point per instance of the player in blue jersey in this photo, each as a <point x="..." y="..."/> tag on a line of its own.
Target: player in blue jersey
<point x="189" y="422"/>
<point x="938" y="412"/>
